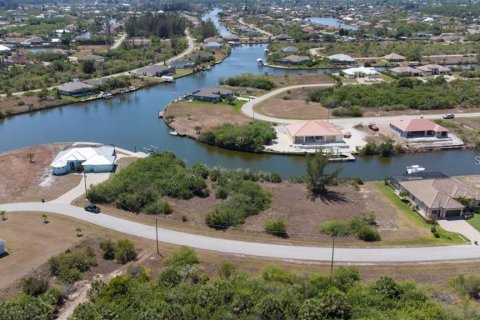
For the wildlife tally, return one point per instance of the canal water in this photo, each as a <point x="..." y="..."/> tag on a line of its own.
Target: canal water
<point x="130" y="121"/>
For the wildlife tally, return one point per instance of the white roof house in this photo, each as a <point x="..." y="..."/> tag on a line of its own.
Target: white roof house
<point x="342" y="58"/>
<point x="361" y="72"/>
<point x="91" y="158"/>
<point x="4" y="48"/>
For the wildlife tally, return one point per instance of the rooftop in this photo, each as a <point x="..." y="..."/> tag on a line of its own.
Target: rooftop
<point x="413" y="125"/>
<point x="312" y="128"/>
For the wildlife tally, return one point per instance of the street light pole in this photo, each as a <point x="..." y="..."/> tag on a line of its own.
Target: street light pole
<point x="333" y="253"/>
<point x="156" y="235"/>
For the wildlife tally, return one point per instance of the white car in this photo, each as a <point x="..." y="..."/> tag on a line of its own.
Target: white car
<point x="448" y="116"/>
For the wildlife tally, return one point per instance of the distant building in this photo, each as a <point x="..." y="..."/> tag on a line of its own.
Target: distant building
<point x="342" y="59"/>
<point x="76" y="89"/>
<point x="393" y="57"/>
<point x="419" y="128"/>
<point x="4" y="49"/>
<point x="406" y="71"/>
<point x="155" y="71"/>
<point x="213" y="39"/>
<point x="91" y="158"/>
<point x="314" y="132"/>
<point x="361" y="72"/>
<point x="290" y="49"/>
<point x="433" y="69"/>
<point x="181" y="64"/>
<point x="211" y="94"/>
<point x="293" y="59"/>
<point x="284" y="37"/>
<point x="213" y="45"/>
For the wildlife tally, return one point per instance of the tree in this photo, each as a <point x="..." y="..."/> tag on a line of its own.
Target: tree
<point x="108" y="247"/>
<point x="45" y="218"/>
<point x="88" y="67"/>
<point x="318" y="178"/>
<point x="125" y="251"/>
<point x="30" y="157"/>
<point x="79" y="231"/>
<point x="2" y="214"/>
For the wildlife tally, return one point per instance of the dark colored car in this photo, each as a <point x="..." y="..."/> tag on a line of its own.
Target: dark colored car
<point x="448" y="116"/>
<point x="92" y="208"/>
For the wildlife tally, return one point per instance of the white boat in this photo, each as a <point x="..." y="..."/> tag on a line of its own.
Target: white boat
<point x="414" y="168"/>
<point x="173" y="133"/>
<point x="168" y="78"/>
<point x="260" y="61"/>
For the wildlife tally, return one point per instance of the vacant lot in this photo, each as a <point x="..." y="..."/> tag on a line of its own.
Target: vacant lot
<point x="187" y="116"/>
<point x="467" y="129"/>
<point x="25" y="180"/>
<point x="309" y="78"/>
<point x="14" y="104"/>
<point x="292" y="104"/>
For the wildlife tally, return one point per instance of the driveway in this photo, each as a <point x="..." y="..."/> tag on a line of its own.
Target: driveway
<point x="276" y="251"/>
<point x="461" y="226"/>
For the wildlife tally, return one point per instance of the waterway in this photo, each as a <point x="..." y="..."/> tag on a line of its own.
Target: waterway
<point x="331" y="22"/>
<point x="130" y="121"/>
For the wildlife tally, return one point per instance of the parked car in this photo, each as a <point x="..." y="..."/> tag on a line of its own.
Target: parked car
<point x="92" y="208"/>
<point x="373" y="127"/>
<point x="448" y="116"/>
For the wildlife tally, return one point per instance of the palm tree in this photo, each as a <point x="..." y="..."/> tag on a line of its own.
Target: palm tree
<point x="45" y="218"/>
<point x="79" y="231"/>
<point x="2" y="214"/>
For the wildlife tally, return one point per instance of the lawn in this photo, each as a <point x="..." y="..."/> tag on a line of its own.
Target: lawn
<point x="446" y="237"/>
<point x="475" y="221"/>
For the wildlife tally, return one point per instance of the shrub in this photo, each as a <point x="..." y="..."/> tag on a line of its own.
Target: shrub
<point x="200" y="170"/>
<point x="221" y="193"/>
<point x="108" y="247"/>
<point x="368" y="234"/>
<point x="387" y="287"/>
<point x="182" y="257"/>
<point x="159" y="206"/>
<point x="129" y="202"/>
<point x="170" y="277"/>
<point x="468" y="285"/>
<point x="354" y="111"/>
<point x="277" y="228"/>
<point x="69" y="266"/>
<point x="249" y="80"/>
<point x="275" y="178"/>
<point x="125" y="251"/>
<point x="34" y="286"/>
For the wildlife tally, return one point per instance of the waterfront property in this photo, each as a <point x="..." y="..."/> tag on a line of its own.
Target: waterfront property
<point x="433" y="69"/>
<point x="89" y="158"/>
<point x="211" y="94"/>
<point x="406" y="71"/>
<point x="181" y="64"/>
<point x="394" y="57"/>
<point x="436" y="195"/>
<point x="314" y="132"/>
<point x="362" y="72"/>
<point x="342" y="59"/>
<point x="293" y="59"/>
<point x="213" y="45"/>
<point x="76" y="89"/>
<point x="419" y="128"/>
<point x="155" y="71"/>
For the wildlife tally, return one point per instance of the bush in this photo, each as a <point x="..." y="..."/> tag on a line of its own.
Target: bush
<point x="34" y="286"/>
<point x="221" y="193"/>
<point x="249" y="80"/>
<point x="69" y="266"/>
<point x="125" y="251"/>
<point x="368" y="234"/>
<point x="276" y="228"/>
<point x="348" y="112"/>
<point x="275" y="178"/>
<point x="387" y="287"/>
<point x="182" y="257"/>
<point x="359" y="226"/>
<point x="468" y="285"/>
<point x="159" y="206"/>
<point x="108" y="247"/>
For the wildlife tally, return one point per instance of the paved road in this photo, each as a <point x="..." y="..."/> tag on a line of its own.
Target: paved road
<point x="289" y="252"/>
<point x="254" y="27"/>
<point x="247" y="109"/>
<point x="118" y="42"/>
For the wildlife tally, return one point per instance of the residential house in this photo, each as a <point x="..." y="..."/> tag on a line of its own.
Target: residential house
<point x="76" y="89"/>
<point x="4" y="49"/>
<point x="406" y="71"/>
<point x="291" y="50"/>
<point x="155" y="70"/>
<point x="419" y="128"/>
<point x="434" y="69"/>
<point x="393" y="57"/>
<point x="342" y="59"/>
<point x="181" y="64"/>
<point x="284" y="37"/>
<point x="92" y="57"/>
<point x="314" y="132"/>
<point x="211" y="94"/>
<point x="361" y="72"/>
<point x="89" y="158"/>
<point x="34" y="41"/>
<point x="293" y="59"/>
<point x="213" y="45"/>
<point x="436" y="195"/>
<point x="214" y="39"/>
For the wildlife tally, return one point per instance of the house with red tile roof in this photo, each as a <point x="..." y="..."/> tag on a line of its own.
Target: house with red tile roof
<point x="418" y="128"/>
<point x="314" y="132"/>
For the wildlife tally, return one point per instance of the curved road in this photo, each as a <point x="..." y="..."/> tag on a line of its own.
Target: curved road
<point x="248" y="110"/>
<point x="277" y="251"/>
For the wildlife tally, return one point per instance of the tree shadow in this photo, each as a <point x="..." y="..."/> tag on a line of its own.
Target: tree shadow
<point x="328" y="197"/>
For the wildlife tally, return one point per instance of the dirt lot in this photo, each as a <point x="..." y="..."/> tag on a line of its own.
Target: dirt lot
<point x="187" y="115"/>
<point x="292" y="105"/>
<point x="309" y="78"/>
<point x="32" y="181"/>
<point x="14" y="105"/>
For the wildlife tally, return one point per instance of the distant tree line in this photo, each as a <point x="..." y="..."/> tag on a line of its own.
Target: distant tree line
<point x="160" y="25"/>
<point x="207" y="29"/>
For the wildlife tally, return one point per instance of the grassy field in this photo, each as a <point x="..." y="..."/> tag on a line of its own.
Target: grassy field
<point x="446" y="237"/>
<point x="475" y="221"/>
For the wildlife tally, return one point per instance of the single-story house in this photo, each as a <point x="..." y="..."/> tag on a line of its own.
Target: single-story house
<point x="342" y="59"/>
<point x="284" y="37"/>
<point x="361" y="72"/>
<point x="211" y="94"/>
<point x="406" y="70"/>
<point x="436" y="195"/>
<point x="76" y="89"/>
<point x="4" y="49"/>
<point x="91" y="158"/>
<point x="418" y="128"/>
<point x="155" y="70"/>
<point x="293" y="59"/>
<point x="314" y="132"/>
<point x="92" y="57"/>
<point x="181" y="64"/>
<point x="290" y="49"/>
<point x="34" y="41"/>
<point x="2" y="247"/>
<point x="213" y="39"/>
<point x="393" y="57"/>
<point x="433" y="69"/>
<point x="213" y="45"/>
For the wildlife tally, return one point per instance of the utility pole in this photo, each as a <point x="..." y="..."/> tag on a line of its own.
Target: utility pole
<point x="156" y="235"/>
<point x="85" y="181"/>
<point x="333" y="253"/>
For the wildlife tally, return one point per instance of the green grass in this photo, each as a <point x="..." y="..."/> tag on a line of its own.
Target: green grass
<point x="237" y="104"/>
<point x="475" y="221"/>
<point x="446" y="237"/>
